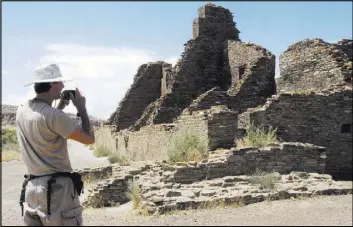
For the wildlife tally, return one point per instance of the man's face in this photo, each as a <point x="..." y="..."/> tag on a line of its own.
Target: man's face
<point x="56" y="88"/>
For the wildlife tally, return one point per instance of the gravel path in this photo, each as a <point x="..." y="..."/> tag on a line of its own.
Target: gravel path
<point x="320" y="211"/>
<point x="333" y="210"/>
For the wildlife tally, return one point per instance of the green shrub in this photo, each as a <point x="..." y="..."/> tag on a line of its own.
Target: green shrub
<point x="9" y="147"/>
<point x="187" y="146"/>
<point x="134" y="193"/>
<point x="101" y="152"/>
<point x="265" y="180"/>
<point x="257" y="137"/>
<point x="105" y="144"/>
<point x="115" y="157"/>
<point x="9" y="135"/>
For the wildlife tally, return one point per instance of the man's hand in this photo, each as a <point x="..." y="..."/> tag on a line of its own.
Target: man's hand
<point x="62" y="104"/>
<point x="79" y="101"/>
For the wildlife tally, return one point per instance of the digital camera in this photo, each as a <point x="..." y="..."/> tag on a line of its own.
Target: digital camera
<point x="66" y="94"/>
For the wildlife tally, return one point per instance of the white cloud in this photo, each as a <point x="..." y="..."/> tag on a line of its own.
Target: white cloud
<point x="103" y="74"/>
<point x="4" y="72"/>
<point x="17" y="100"/>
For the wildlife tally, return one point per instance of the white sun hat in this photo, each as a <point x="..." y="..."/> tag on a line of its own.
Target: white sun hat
<point x="48" y="73"/>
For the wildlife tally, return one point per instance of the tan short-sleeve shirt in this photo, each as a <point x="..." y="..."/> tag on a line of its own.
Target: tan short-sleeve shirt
<point x="42" y="133"/>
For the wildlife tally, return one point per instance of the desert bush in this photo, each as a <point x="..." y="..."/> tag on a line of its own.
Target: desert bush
<point x="102" y="152"/>
<point x="134" y="193"/>
<point x="117" y="158"/>
<point x="187" y="146"/>
<point x="105" y="144"/>
<point x="10" y="149"/>
<point x="8" y="135"/>
<point x="265" y="180"/>
<point x="257" y="137"/>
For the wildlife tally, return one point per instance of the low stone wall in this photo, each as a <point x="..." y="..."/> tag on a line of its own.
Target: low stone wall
<point x="112" y="192"/>
<point x="237" y="190"/>
<point x="282" y="158"/>
<point x="218" y="125"/>
<point x="89" y="174"/>
<point x="149" y="143"/>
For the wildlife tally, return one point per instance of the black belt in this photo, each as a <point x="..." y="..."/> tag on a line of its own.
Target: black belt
<point x="75" y="177"/>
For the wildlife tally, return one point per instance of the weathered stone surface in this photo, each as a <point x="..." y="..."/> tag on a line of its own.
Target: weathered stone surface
<point x="146" y="88"/>
<point x="313" y="65"/>
<point x="312" y="118"/>
<point x="251" y="69"/>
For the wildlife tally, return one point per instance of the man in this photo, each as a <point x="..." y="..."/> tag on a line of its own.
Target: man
<point x="51" y="190"/>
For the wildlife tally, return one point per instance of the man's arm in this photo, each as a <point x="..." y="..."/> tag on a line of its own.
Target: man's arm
<point x="86" y="124"/>
<point x="84" y="134"/>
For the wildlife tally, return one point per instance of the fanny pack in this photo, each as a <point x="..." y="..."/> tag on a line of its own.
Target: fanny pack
<point x="75" y="177"/>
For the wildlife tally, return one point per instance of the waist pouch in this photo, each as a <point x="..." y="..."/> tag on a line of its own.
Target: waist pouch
<point x="75" y="177"/>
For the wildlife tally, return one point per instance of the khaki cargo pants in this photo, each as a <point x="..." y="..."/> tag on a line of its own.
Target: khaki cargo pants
<point x="65" y="206"/>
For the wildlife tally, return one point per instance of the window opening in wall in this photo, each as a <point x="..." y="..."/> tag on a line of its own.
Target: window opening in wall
<point x="241" y="72"/>
<point x="346" y="128"/>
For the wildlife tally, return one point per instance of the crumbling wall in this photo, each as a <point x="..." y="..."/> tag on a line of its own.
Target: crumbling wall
<point x="149" y="143"/>
<point x="282" y="158"/>
<point x="167" y="79"/>
<point x="213" y="97"/>
<point x="323" y="119"/>
<point x="217" y="124"/>
<point x="346" y="45"/>
<point x="146" y="88"/>
<point x="214" y="22"/>
<point x="222" y="175"/>
<point x="222" y="127"/>
<point x="313" y="64"/>
<point x="251" y="71"/>
<point x="198" y="70"/>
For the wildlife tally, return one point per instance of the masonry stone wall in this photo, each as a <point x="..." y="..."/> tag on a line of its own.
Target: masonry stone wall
<point x="313" y="64"/>
<point x="216" y="22"/>
<point x="149" y="143"/>
<point x="282" y="158"/>
<point x="323" y="119"/>
<point x="251" y="70"/>
<point x="146" y="88"/>
<point x="198" y="70"/>
<point x="346" y="45"/>
<point x="222" y="127"/>
<point x="217" y="124"/>
<point x="167" y="79"/>
<point x="96" y="173"/>
<point x="213" y="97"/>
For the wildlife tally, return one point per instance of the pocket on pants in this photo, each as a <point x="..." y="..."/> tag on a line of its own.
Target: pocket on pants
<point x="72" y="217"/>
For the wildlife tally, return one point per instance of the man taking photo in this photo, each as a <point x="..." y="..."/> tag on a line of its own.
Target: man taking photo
<point x="51" y="190"/>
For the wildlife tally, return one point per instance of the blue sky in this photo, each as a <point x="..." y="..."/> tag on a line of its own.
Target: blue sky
<point x="103" y="43"/>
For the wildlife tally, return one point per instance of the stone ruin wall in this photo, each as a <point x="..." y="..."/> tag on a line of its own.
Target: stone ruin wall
<point x="251" y="70"/>
<point x="218" y="125"/>
<point x="313" y="64"/>
<point x="323" y="119"/>
<point x="148" y="85"/>
<point x="217" y="69"/>
<point x="346" y="45"/>
<point x="218" y="78"/>
<point x="198" y="70"/>
<point x="283" y="158"/>
<point x="205" y="65"/>
<point x="216" y="22"/>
